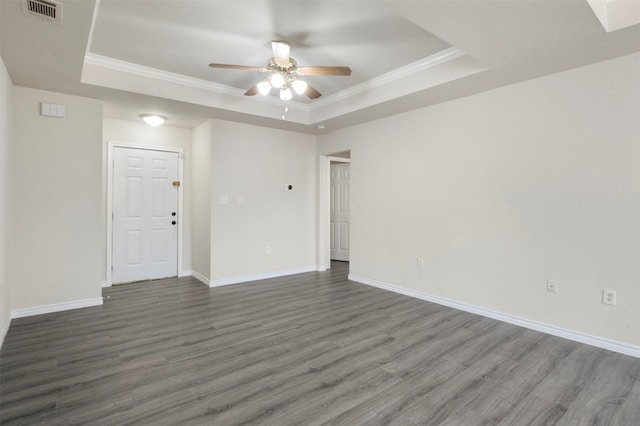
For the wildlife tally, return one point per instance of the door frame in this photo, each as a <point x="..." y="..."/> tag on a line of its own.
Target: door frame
<point x="324" y="213"/>
<point x="111" y="145"/>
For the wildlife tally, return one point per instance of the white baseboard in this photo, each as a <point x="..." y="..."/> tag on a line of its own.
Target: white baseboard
<point x="612" y="345"/>
<point x="4" y="330"/>
<point x="104" y="284"/>
<point x="200" y="277"/>
<point x="58" y="307"/>
<point x="264" y="276"/>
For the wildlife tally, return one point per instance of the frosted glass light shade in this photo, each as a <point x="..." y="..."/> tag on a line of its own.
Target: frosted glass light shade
<point x="264" y="87"/>
<point x="277" y="80"/>
<point x="299" y="86"/>
<point x="285" y="94"/>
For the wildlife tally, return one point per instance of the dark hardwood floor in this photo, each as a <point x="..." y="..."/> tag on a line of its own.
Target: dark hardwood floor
<point x="307" y="349"/>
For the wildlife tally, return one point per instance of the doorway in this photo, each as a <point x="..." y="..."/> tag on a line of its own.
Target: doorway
<point x="324" y="203"/>
<point x="144" y="208"/>
<point x="339" y="211"/>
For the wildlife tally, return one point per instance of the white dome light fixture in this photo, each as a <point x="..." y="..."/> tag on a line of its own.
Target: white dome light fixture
<point x="153" y="120"/>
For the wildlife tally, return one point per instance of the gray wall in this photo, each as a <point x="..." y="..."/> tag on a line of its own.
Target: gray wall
<point x="257" y="163"/>
<point x="55" y="201"/>
<point x="5" y="293"/>
<point x="500" y="191"/>
<point x="201" y="200"/>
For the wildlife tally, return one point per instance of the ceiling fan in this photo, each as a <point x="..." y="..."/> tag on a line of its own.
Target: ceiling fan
<point x="285" y="74"/>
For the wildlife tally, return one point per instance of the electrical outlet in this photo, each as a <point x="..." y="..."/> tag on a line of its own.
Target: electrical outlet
<point x="609" y="297"/>
<point x="420" y="263"/>
<point x="268" y="250"/>
<point x="552" y="286"/>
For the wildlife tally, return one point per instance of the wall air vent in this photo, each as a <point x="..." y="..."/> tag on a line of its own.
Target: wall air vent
<point x="48" y="10"/>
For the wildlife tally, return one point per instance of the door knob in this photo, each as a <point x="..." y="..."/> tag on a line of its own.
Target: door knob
<point x="173" y="213"/>
<point x="173" y="222"/>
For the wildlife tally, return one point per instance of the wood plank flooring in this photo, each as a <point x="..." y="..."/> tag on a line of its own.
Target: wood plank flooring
<point x="309" y="349"/>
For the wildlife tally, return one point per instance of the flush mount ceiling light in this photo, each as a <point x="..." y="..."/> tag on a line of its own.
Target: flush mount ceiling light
<point x="285" y="74"/>
<point x="153" y="120"/>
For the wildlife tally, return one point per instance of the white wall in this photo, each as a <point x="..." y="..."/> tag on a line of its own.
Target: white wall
<point x="5" y="293"/>
<point x="54" y="198"/>
<point x="139" y="133"/>
<point x="501" y="191"/>
<point x="202" y="139"/>
<point x="257" y="164"/>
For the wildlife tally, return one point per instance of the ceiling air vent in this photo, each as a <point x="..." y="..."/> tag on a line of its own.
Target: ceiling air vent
<point x="46" y="9"/>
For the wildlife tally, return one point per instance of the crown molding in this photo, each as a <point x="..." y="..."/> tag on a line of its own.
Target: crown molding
<point x="392" y="76"/>
<point x="196" y="83"/>
<point x="182" y="80"/>
<point x="154" y="73"/>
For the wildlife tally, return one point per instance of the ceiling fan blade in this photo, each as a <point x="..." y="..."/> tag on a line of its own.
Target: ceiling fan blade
<point x="237" y="67"/>
<point x="324" y="70"/>
<point x="252" y="92"/>
<point x="281" y="51"/>
<point x="311" y="92"/>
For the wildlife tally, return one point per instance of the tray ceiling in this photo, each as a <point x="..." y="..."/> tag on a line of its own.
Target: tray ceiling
<point x="152" y="56"/>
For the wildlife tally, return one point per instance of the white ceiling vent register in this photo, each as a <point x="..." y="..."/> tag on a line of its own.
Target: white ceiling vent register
<point x="48" y="10"/>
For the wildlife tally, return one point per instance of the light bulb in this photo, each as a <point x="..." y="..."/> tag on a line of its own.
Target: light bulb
<point x="285" y="94"/>
<point x="264" y="87"/>
<point x="277" y="80"/>
<point x="299" y="86"/>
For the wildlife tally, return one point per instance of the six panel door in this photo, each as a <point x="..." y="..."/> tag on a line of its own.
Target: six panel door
<point x="145" y="207"/>
<point x="340" y="211"/>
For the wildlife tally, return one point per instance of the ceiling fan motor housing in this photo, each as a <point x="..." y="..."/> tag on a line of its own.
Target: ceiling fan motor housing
<point x="273" y="66"/>
<point x="285" y="73"/>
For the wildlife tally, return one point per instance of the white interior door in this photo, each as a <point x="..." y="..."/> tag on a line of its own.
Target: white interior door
<point x="340" y="211"/>
<point x="145" y="214"/>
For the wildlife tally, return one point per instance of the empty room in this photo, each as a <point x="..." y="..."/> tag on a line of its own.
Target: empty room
<point x="345" y="212"/>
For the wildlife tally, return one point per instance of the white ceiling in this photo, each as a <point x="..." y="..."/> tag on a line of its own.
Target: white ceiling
<point x="143" y="56"/>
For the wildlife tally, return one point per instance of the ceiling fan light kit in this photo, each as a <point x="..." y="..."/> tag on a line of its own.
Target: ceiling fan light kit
<point x="284" y="84"/>
<point x="285" y="74"/>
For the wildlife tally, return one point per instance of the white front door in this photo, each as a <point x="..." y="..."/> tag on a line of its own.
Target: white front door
<point x="145" y="214"/>
<point x="340" y="211"/>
